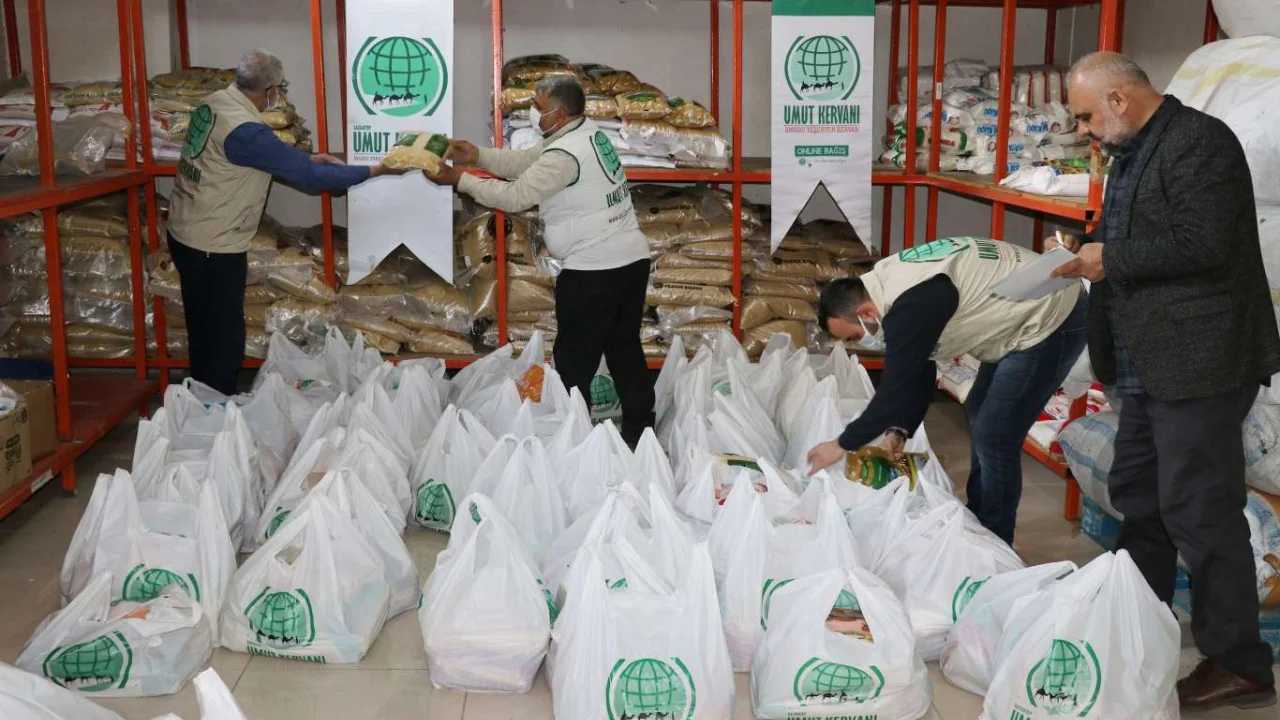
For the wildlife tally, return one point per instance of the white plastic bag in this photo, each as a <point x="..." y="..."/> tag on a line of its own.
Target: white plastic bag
<point x="383" y="477"/>
<point x="147" y="546"/>
<point x="820" y="422"/>
<point x="123" y="650"/>
<point x="934" y="564"/>
<point x="24" y="696"/>
<point x="601" y="462"/>
<point x="443" y="469"/>
<point x="968" y="660"/>
<point x="840" y="645"/>
<point x="418" y="403"/>
<point x="739" y="542"/>
<point x="350" y="495"/>
<point x="624" y="510"/>
<point x="1096" y="645"/>
<point x="486" y="618"/>
<point x="651" y="466"/>
<point x="652" y="646"/>
<point x="315" y="591"/>
<point x="301" y="477"/>
<point x="526" y="493"/>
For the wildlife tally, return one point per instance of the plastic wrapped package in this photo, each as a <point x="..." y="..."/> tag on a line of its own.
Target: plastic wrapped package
<point x="298" y="319"/>
<point x="674" y="261"/>
<point x="418" y="151"/>
<point x="256" y="315"/>
<point x="529" y="273"/>
<point x="171" y="126"/>
<point x="662" y="236"/>
<point x="794" y="264"/>
<point x="80" y="147"/>
<point x="676" y="294"/>
<point x="301" y="282"/>
<point x="440" y="342"/>
<point x="93" y="93"/>
<point x="517" y="96"/>
<point x="281" y="117"/>
<point x="754" y="340"/>
<point x="610" y="81"/>
<point x="602" y="107"/>
<point x="759" y="309"/>
<point x="690" y="276"/>
<point x="265" y="262"/>
<point x="642" y="105"/>
<point x="434" y="296"/>
<point x="837" y="238"/>
<point x="706" y="146"/>
<point x="702" y="231"/>
<point x="716" y="250"/>
<point x="525" y="295"/>
<point x="381" y="301"/>
<point x="688" y="114"/>
<point x="194" y="82"/>
<point x="666" y="204"/>
<point x="379" y="342"/>
<point x="534" y="69"/>
<point x="672" y="317"/>
<point x="32" y="339"/>
<point x="388" y="329"/>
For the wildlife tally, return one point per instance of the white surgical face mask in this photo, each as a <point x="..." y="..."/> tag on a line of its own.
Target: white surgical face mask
<point x="273" y="104"/>
<point x="873" y="342"/>
<point x="535" y="117"/>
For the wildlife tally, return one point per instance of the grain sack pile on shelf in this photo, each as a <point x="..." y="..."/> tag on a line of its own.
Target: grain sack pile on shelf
<point x="648" y="127"/>
<point x="88" y="126"/>
<point x="96" y="282"/>
<point x="1041" y="127"/>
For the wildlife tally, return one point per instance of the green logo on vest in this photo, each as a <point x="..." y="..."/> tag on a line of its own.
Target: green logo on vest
<point x="399" y="76"/>
<point x="198" y="131"/>
<point x="1067" y="681"/>
<point x="935" y="251"/>
<point x="822" y="68"/>
<point x="282" y="619"/>
<point x="828" y="683"/>
<point x="608" y="156"/>
<point x="102" y="663"/>
<point x="650" y="688"/>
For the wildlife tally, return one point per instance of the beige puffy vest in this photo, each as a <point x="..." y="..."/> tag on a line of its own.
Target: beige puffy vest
<point x="216" y="204"/>
<point x="985" y="326"/>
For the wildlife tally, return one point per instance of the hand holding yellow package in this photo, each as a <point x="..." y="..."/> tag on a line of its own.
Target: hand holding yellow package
<point x="874" y="467"/>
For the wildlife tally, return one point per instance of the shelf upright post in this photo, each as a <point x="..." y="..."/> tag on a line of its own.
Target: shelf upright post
<point x="913" y="105"/>
<point x="1109" y="19"/>
<point x="715" y="58"/>
<point x="895" y="36"/>
<point x="11" y="37"/>
<point x="127" y="85"/>
<point x="1050" y="58"/>
<point x="738" y="6"/>
<point x="935" y="127"/>
<point x="322" y="139"/>
<point x="184" y="42"/>
<point x="499" y="218"/>
<point x="148" y="165"/>
<point x="1211" y="27"/>
<point x="1007" y="34"/>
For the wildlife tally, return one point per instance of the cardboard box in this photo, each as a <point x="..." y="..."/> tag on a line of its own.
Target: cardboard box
<point x="15" y="441"/>
<point x="41" y="421"/>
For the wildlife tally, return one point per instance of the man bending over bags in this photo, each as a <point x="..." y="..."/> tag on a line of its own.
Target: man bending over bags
<point x="934" y="302"/>
<point x="575" y="177"/>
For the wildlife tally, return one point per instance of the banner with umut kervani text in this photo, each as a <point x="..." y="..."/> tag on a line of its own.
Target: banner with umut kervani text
<point x="400" y="80"/>
<point x="822" y="125"/>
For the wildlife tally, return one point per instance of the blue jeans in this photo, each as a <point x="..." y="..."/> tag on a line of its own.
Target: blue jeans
<point x="1006" y="400"/>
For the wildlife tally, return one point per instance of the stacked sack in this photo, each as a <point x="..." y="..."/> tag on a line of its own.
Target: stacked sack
<point x="1041" y="127"/>
<point x="175" y="96"/>
<point x="88" y="124"/>
<point x="96" y="276"/>
<point x="647" y="127"/>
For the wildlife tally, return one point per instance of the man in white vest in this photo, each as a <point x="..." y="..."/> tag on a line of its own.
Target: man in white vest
<point x="935" y="302"/>
<point x="575" y="177"/>
<point x="223" y="179"/>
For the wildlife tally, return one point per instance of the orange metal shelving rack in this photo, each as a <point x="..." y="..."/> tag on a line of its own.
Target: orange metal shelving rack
<point x="87" y="406"/>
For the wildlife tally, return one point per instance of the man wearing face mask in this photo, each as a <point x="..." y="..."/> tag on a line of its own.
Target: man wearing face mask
<point x="575" y="178"/>
<point x="935" y="302"/>
<point x="1182" y="326"/>
<point x="219" y="194"/>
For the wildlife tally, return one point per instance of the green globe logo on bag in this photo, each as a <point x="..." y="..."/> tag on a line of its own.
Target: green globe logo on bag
<point x="399" y="76"/>
<point x="822" y="68"/>
<point x="276" y="522"/>
<point x="102" y="663"/>
<point x="964" y="593"/>
<point x="435" y="507"/>
<point x="604" y="395"/>
<point x="650" y="688"/>
<point x="143" y="583"/>
<point x="1067" y="681"/>
<point x="282" y="619"/>
<point x="771" y="586"/>
<point x="826" y="683"/>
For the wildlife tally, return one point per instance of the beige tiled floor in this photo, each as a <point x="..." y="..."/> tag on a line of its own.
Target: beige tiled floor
<point x="392" y="681"/>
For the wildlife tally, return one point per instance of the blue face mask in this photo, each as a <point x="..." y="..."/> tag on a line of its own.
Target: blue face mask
<point x="871" y="342"/>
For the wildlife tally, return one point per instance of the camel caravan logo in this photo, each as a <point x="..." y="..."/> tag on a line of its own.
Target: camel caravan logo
<point x="650" y="689"/>
<point x="1066" y="682"/>
<point x="964" y="593"/>
<point x="102" y="663"/>
<point x="822" y="68"/>
<point x="282" y="619"/>
<point x="435" y="507"/>
<point x="142" y="583"/>
<point x="400" y="76"/>
<point x="826" y="683"/>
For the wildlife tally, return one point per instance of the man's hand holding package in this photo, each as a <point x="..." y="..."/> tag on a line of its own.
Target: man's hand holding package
<point x="463" y="152"/>
<point x="446" y="174"/>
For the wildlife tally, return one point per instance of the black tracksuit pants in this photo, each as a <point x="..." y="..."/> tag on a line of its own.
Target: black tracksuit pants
<point x="213" y="302"/>
<point x="598" y="313"/>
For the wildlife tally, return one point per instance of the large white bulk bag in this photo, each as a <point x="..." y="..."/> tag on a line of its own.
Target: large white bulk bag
<point x="1242" y="18"/>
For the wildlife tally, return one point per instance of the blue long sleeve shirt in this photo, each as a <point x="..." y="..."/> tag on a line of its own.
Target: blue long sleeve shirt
<point x="254" y="145"/>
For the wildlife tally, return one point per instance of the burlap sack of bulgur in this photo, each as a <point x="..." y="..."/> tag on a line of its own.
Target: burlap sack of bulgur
<point x="684" y="113"/>
<point x="482" y="297"/>
<point x="381" y="301"/>
<point x="313" y="289"/>
<point x="673" y="294"/>
<point x="799" y="289"/>
<point x="386" y="328"/>
<point x="755" y="339"/>
<point x="689" y="276"/>
<point x="662" y="236"/>
<point x="675" y="260"/>
<point x="520" y="271"/>
<point x="255" y="315"/>
<point x="533" y="69"/>
<point x="379" y="342"/>
<point x="698" y="230"/>
<point x="716" y="250"/>
<point x="527" y="316"/>
<point x="760" y="309"/>
<point x="642" y="105"/>
<point x="602" y="107"/>
<point x="440" y="342"/>
<point x="525" y="295"/>
<point x="434" y="296"/>
<point x="665" y="204"/>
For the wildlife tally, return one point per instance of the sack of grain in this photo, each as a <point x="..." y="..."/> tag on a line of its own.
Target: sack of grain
<point x="666" y="204"/>
<point x="706" y="146"/>
<point x="379" y="342"/>
<point x="440" y="342"/>
<point x="755" y="339"/>
<point x="673" y="317"/>
<point x="93" y="93"/>
<point x="662" y="236"/>
<point x="759" y="309"/>
<point x="530" y="273"/>
<point x="688" y="114"/>
<point x="381" y="301"/>
<point x="602" y="107"/>
<point x="313" y="289"/>
<point x="525" y="295"/>
<point x="793" y="265"/>
<point x="256" y="315"/>
<point x="682" y="276"/>
<point x="675" y="260"/>
<point x="281" y="117"/>
<point x="194" y="82"/>
<point x="418" y="151"/>
<point x="532" y="68"/>
<point x="434" y="296"/>
<point x="698" y="230"/>
<point x="642" y="105"/>
<point x="482" y="297"/>
<point x="677" y="294"/>
<point x="389" y="329"/>
<point x="517" y="96"/>
<point x="715" y="250"/>
<point x="609" y="81"/>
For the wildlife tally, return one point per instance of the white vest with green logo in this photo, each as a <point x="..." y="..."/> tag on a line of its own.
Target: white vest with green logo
<point x="985" y="325"/>
<point x="591" y="225"/>
<point x="216" y="204"/>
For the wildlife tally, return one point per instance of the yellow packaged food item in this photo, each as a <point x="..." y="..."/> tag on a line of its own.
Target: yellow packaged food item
<point x="642" y="105"/>
<point x="418" y="151"/>
<point x="255" y="315"/>
<point x="688" y="114"/>
<point x="873" y="467"/>
<point x="760" y="309"/>
<point x="194" y="82"/>
<point x="533" y="68"/>
<point x="716" y="250"/>
<point x="615" y="82"/>
<point x="380" y="301"/>
<point x="799" y="289"/>
<point x="602" y="107"/>
<point x="280" y="118"/>
<point x="518" y="96"/>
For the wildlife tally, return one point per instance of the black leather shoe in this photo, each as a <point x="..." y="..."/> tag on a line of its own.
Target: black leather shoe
<point x="1208" y="687"/>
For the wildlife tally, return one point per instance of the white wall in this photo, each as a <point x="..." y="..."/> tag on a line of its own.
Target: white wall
<point x="667" y="47"/>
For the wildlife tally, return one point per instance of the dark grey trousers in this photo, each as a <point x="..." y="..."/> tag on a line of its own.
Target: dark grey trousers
<point x="1178" y="479"/>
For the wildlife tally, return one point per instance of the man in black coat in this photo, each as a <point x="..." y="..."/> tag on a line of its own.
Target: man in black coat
<point x="1181" y="324"/>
